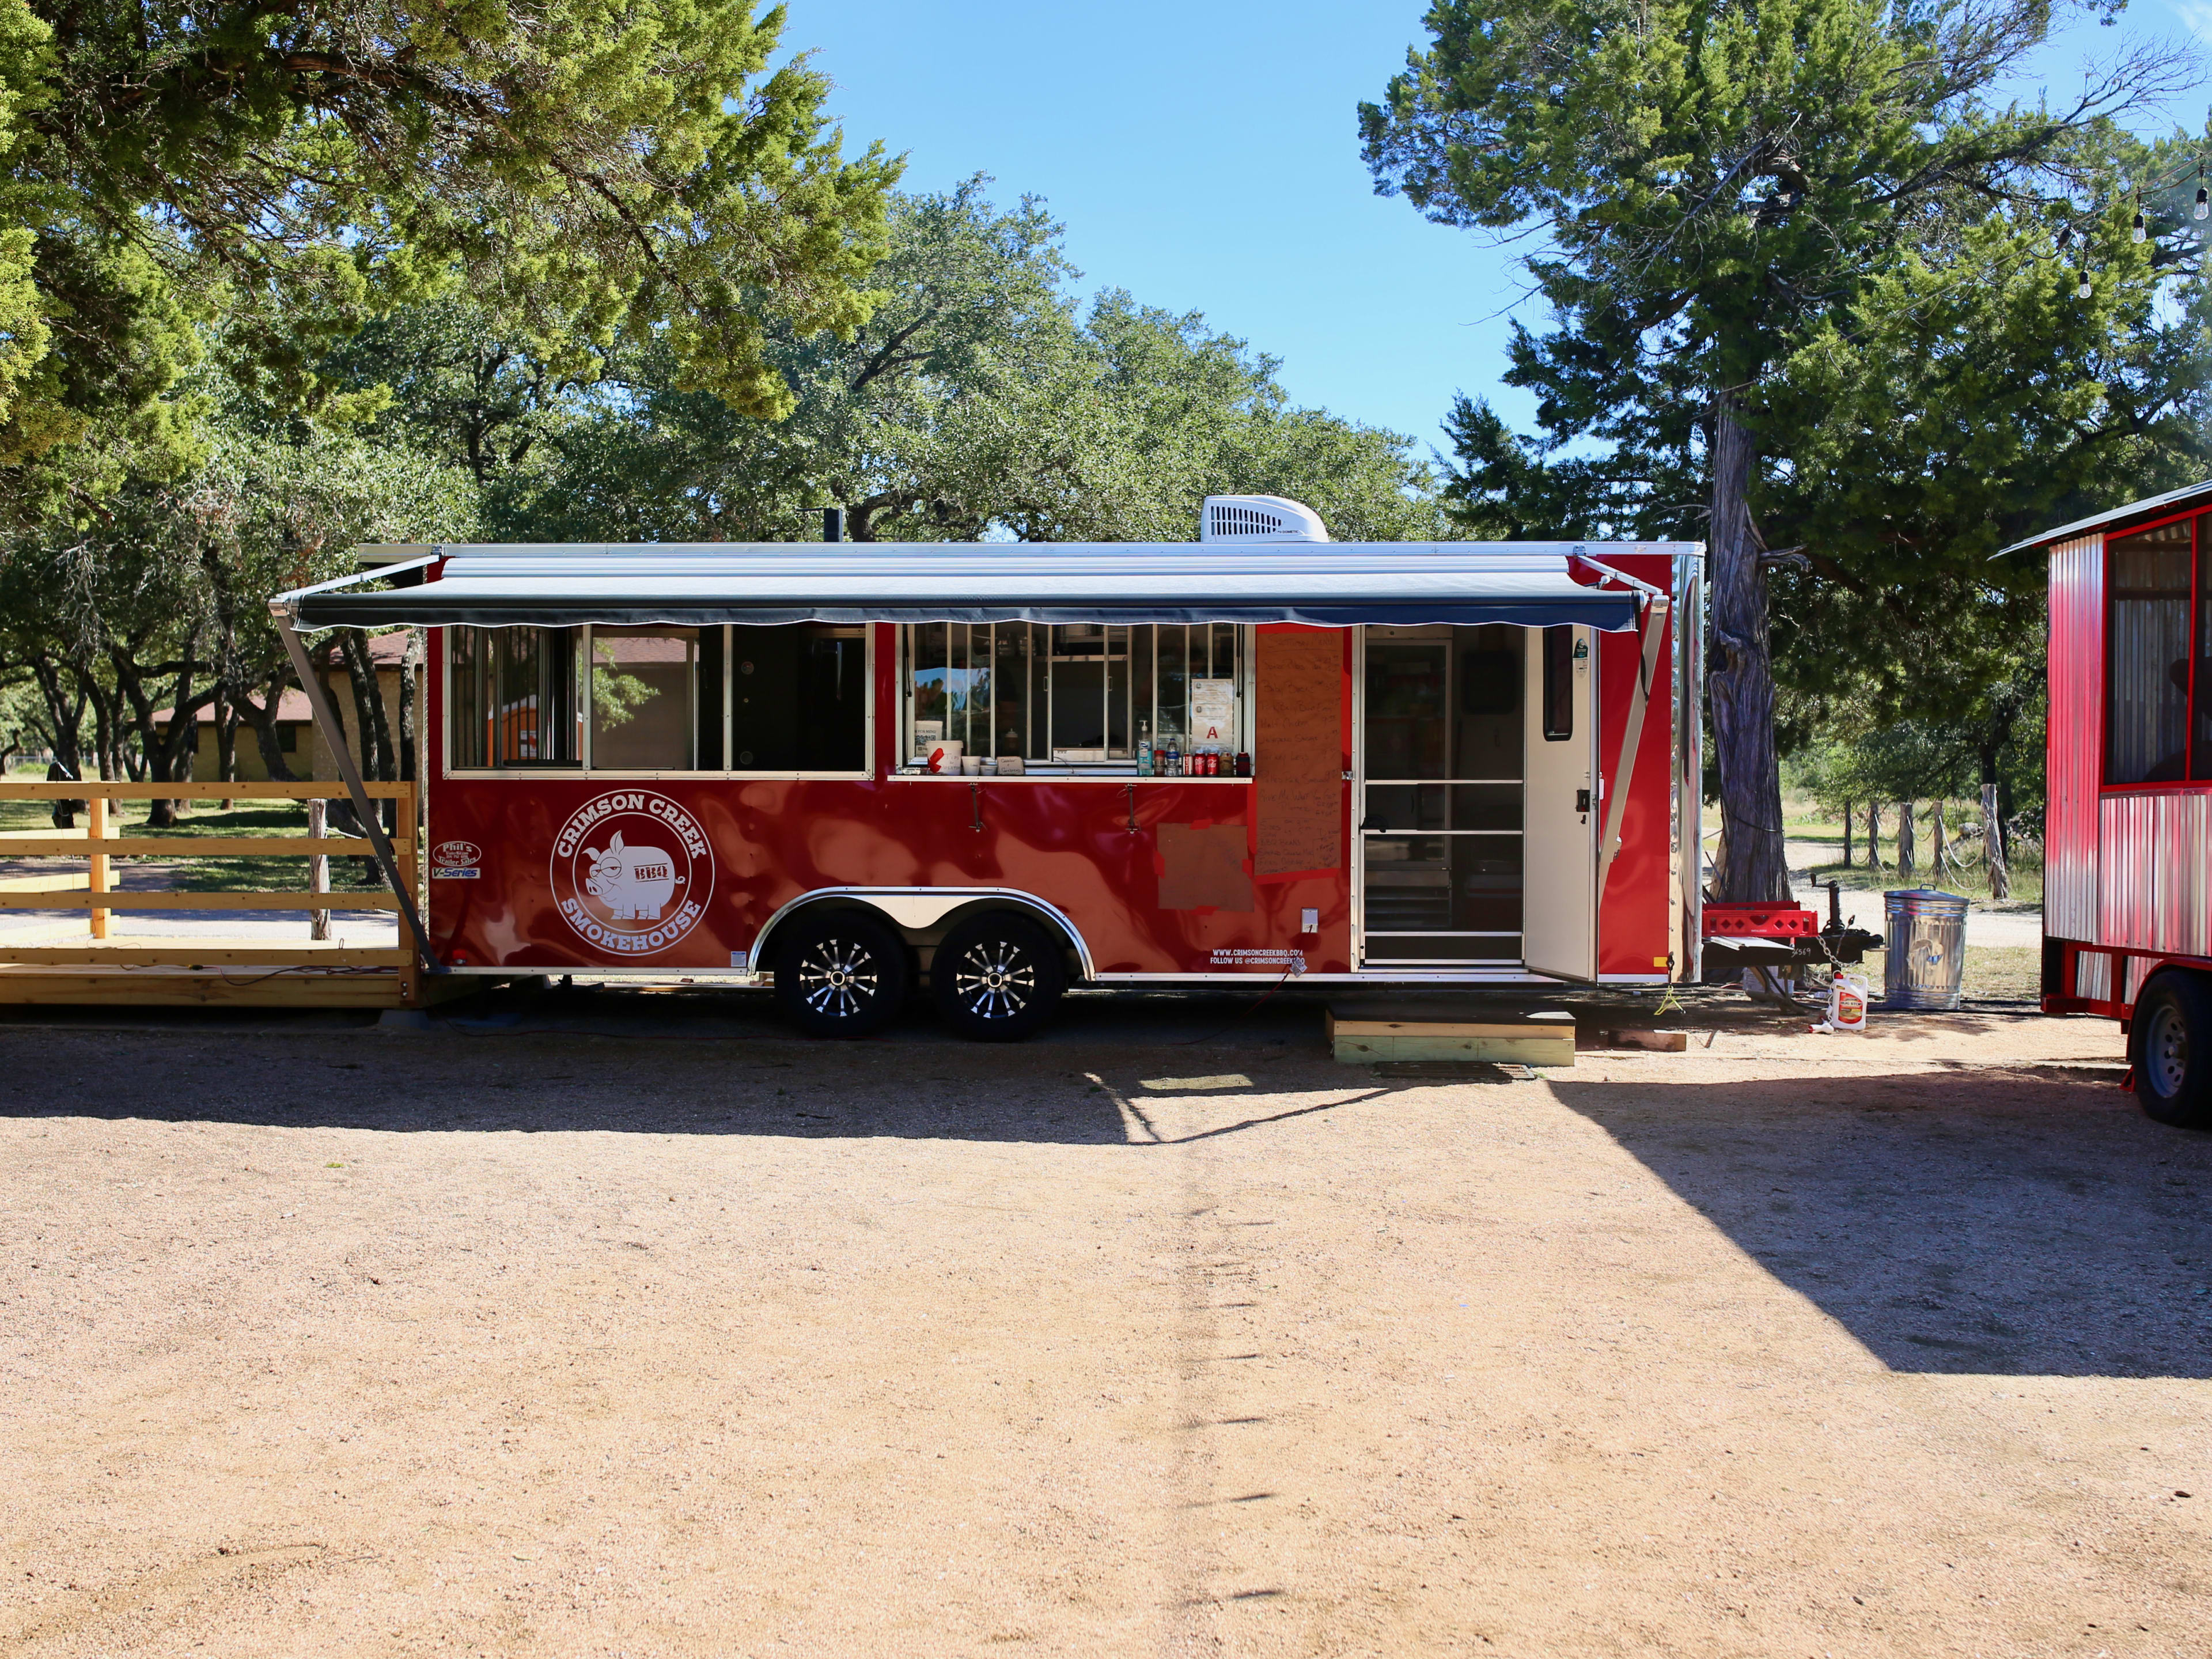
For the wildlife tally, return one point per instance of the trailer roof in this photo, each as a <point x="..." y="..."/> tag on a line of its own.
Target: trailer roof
<point x="2147" y="508"/>
<point x="1335" y="584"/>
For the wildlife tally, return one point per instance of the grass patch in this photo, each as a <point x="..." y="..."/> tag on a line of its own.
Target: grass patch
<point x="2026" y="884"/>
<point x="2007" y="972"/>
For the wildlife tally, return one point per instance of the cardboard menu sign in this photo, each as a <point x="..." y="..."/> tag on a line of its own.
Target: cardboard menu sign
<point x="1298" y="751"/>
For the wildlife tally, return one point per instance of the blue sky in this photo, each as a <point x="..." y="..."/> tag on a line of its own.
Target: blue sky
<point x="1205" y="156"/>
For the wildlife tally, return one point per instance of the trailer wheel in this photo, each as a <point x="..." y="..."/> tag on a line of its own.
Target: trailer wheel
<point x="995" y="978"/>
<point x="839" y="973"/>
<point x="2170" y="1048"/>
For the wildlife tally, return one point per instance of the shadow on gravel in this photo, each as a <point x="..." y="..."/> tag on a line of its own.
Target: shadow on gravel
<point x="2021" y="1223"/>
<point x="627" y="1062"/>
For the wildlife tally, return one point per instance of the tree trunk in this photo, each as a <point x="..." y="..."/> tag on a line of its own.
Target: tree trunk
<point x="410" y="663"/>
<point x="1906" y="865"/>
<point x="261" y="717"/>
<point x="1873" y="836"/>
<point x="1847" y="834"/>
<point x="63" y="729"/>
<point x="225" y="739"/>
<point x="1993" y="848"/>
<point x="379" y="758"/>
<point x="1741" y="680"/>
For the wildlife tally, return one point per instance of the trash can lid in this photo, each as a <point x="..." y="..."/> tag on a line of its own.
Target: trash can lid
<point x="1923" y="898"/>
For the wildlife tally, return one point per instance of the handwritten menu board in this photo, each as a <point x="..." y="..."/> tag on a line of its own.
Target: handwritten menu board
<point x="1298" y="751"/>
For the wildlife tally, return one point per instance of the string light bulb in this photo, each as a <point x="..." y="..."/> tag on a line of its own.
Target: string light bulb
<point x="2139" y="233"/>
<point x="2083" y="291"/>
<point x="2065" y="238"/>
<point x="2204" y="201"/>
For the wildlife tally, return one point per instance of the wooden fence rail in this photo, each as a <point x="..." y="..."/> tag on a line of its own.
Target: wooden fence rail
<point x="311" y="972"/>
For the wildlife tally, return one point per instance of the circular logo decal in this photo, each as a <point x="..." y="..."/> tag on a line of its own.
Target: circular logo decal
<point x="632" y="872"/>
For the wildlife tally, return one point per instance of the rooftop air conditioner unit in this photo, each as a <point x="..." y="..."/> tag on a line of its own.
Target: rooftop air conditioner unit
<point x="1258" y="519"/>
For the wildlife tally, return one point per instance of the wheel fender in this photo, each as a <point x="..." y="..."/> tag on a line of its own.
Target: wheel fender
<point x="913" y="911"/>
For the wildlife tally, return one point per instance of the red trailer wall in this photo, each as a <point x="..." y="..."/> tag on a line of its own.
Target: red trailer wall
<point x="1635" y="931"/>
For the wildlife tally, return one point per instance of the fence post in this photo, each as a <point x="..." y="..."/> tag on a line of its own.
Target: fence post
<point x="319" y="867"/>
<point x="96" y="831"/>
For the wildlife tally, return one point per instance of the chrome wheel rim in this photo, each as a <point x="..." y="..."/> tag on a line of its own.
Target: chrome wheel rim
<point x="2165" y="1052"/>
<point x="994" y="979"/>
<point x="838" y="978"/>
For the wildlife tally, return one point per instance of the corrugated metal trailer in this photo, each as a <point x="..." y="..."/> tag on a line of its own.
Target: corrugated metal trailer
<point x="2127" y="901"/>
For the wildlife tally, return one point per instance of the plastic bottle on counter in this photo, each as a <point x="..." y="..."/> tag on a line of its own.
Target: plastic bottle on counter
<point x="1243" y="763"/>
<point x="1144" y="749"/>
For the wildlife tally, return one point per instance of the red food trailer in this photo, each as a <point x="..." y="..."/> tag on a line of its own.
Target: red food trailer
<point x="994" y="770"/>
<point x="2127" y="903"/>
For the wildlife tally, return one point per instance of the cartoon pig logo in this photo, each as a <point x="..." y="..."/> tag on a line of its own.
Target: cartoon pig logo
<point x="632" y="882"/>
<point x="650" y="887"/>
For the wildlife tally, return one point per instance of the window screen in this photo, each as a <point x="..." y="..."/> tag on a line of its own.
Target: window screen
<point x="799" y="698"/>
<point x="2146" y="651"/>
<point x="513" y="696"/>
<point x="1078" y="694"/>
<point x="1558" y="708"/>
<point x="644" y="699"/>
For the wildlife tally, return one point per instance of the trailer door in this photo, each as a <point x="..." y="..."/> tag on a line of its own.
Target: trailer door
<point x="1560" y="811"/>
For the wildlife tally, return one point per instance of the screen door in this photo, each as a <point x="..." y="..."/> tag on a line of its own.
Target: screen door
<point x="1442" y="733"/>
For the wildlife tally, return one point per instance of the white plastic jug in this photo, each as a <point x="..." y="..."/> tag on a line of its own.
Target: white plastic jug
<point x="1847" y="1002"/>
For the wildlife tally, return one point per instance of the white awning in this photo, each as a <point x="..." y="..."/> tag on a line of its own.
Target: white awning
<point x="1339" y="584"/>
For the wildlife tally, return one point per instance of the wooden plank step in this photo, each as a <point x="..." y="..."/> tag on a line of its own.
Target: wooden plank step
<point x="1538" y="1037"/>
<point x="157" y="987"/>
<point x="145" y="953"/>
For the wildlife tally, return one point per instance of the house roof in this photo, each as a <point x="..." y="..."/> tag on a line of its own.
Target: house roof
<point x="292" y="706"/>
<point x="1337" y="583"/>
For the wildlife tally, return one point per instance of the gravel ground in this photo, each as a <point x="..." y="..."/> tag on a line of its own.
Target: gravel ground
<point x="638" y="1328"/>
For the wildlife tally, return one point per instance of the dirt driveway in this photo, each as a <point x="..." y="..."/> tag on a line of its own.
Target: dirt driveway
<point x="1144" y="1339"/>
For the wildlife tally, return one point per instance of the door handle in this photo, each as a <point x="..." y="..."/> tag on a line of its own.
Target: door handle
<point x="1582" y="800"/>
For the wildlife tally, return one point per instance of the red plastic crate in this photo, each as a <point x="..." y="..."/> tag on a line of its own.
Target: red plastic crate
<point x="1739" y="919"/>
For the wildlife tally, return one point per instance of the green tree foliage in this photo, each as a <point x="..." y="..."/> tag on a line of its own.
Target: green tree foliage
<point x="1718" y="184"/>
<point x="160" y="604"/>
<point x="976" y="399"/>
<point x="575" y="169"/>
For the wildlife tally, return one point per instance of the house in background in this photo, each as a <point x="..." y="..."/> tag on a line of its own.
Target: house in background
<point x="305" y="751"/>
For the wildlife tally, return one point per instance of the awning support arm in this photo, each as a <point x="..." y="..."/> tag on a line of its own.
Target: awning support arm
<point x="333" y="734"/>
<point x="1651" y="624"/>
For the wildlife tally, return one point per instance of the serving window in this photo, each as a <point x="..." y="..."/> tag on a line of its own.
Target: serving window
<point x="2156" y="660"/>
<point x="1072" y="697"/>
<point x="776" y="702"/>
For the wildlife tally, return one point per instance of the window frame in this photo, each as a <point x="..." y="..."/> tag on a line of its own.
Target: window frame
<point x="2196" y="517"/>
<point x="587" y="769"/>
<point x="907" y="764"/>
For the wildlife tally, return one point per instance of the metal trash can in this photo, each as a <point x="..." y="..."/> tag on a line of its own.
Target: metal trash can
<point x="1926" y="955"/>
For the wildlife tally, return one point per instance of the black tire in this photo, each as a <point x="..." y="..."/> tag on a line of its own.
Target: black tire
<point x="2170" y="1048"/>
<point x="840" y="973"/>
<point x="996" y="977"/>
